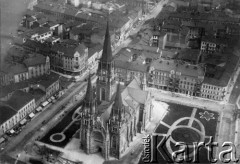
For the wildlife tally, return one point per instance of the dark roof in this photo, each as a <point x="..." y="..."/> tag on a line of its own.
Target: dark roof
<point x="222" y="75"/>
<point x="5" y="90"/>
<point x="107" y="50"/>
<point x="19" y="99"/>
<point x="6" y="112"/>
<point x="45" y="80"/>
<point x="93" y="49"/>
<point x="37" y="59"/>
<point x="69" y="50"/>
<point x="15" y="69"/>
<point x="37" y="45"/>
<point x="189" y="55"/>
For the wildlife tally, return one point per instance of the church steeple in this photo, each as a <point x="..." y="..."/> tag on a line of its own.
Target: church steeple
<point x="105" y="71"/>
<point x="89" y="100"/>
<point x="107" y="50"/>
<point x="118" y="104"/>
<point x="89" y="92"/>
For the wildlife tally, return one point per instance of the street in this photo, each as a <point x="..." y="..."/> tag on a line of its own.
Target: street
<point x="16" y="144"/>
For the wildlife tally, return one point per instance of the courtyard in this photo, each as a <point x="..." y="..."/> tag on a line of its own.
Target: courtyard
<point x="188" y="125"/>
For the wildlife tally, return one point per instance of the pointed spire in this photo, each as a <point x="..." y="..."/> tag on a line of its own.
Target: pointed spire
<point x="118" y="102"/>
<point x="107" y="50"/>
<point x="89" y="92"/>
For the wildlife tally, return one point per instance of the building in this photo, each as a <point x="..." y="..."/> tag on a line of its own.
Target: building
<point x="176" y="76"/>
<point x="20" y="105"/>
<point x="14" y="74"/>
<point x="44" y="86"/>
<point x="32" y="65"/>
<point x="37" y="65"/>
<point x="94" y="54"/>
<point x="211" y="44"/>
<point x="110" y="119"/>
<point x="69" y="59"/>
<point x="174" y="41"/>
<point x="130" y="63"/>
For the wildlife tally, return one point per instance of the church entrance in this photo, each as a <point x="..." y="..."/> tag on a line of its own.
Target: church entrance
<point x="97" y="142"/>
<point x="100" y="149"/>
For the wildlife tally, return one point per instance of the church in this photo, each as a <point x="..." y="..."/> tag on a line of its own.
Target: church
<point x="112" y="114"/>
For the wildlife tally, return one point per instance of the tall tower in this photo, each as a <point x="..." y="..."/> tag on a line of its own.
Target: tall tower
<point x="105" y="82"/>
<point x="87" y="121"/>
<point x="116" y="118"/>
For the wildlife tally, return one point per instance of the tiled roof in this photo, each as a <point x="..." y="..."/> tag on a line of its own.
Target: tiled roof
<point x="19" y="99"/>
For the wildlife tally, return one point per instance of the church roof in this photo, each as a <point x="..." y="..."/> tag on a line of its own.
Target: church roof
<point x="107" y="50"/>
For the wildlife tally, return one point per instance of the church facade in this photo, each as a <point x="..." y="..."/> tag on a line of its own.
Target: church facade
<point x="112" y="114"/>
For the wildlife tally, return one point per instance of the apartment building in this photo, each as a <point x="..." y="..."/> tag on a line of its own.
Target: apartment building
<point x="176" y="76"/>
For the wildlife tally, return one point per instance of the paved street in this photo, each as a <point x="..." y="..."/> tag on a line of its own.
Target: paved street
<point x="16" y="144"/>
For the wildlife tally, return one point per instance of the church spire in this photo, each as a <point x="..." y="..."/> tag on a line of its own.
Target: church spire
<point x="89" y="98"/>
<point x="107" y="50"/>
<point x="89" y="92"/>
<point x="117" y="106"/>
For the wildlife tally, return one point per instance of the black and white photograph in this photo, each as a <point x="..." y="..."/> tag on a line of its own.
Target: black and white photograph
<point x="119" y="81"/>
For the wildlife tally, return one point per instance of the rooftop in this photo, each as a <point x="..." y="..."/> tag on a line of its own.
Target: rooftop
<point x="4" y="91"/>
<point x="69" y="49"/>
<point x="6" y="112"/>
<point x="15" y="69"/>
<point x="34" y="60"/>
<point x="93" y="48"/>
<point x="19" y="99"/>
<point x="222" y="73"/>
<point x="45" y="80"/>
<point x="185" y="68"/>
<point x="188" y="55"/>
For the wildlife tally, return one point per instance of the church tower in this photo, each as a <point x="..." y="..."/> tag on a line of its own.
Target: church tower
<point x="116" y="120"/>
<point x="87" y="121"/>
<point x="105" y="82"/>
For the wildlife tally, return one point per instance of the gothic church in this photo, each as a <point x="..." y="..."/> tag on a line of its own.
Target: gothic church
<point x="114" y="114"/>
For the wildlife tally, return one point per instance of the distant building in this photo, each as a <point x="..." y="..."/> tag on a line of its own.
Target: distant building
<point x="37" y="65"/>
<point x="94" y="54"/>
<point x="34" y="65"/>
<point x="69" y="59"/>
<point x="174" y="41"/>
<point x="211" y="44"/>
<point x="176" y="77"/>
<point x="15" y="109"/>
<point x="47" y="85"/>
<point x="130" y="63"/>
